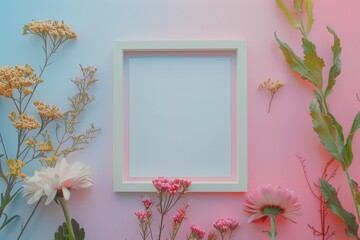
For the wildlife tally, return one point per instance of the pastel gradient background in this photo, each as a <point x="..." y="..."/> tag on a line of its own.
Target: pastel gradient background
<point x="274" y="139"/>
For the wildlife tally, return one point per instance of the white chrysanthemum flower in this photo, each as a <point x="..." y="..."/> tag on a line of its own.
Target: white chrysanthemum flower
<point x="58" y="180"/>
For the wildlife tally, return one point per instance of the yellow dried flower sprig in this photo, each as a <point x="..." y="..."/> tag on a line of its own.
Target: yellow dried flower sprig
<point x="15" y="166"/>
<point x="22" y="78"/>
<point x="50" y="161"/>
<point x="272" y="87"/>
<point x="54" y="29"/>
<point x="46" y="146"/>
<point x="46" y="111"/>
<point x="24" y="121"/>
<point x="32" y="142"/>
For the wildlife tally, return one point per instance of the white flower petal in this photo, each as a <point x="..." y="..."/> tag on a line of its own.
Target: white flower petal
<point x="50" y="197"/>
<point x="49" y="181"/>
<point x="66" y="193"/>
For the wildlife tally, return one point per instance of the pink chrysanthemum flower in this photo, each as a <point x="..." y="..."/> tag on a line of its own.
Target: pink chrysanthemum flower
<point x="266" y="201"/>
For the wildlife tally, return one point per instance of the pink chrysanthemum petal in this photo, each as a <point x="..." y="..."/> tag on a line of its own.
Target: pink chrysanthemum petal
<point x="267" y="200"/>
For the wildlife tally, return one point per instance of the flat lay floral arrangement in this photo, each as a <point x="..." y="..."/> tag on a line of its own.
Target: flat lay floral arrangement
<point x="47" y="136"/>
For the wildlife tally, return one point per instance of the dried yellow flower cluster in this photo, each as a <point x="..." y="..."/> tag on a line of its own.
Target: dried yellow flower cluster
<point x="17" y="77"/>
<point x="47" y="111"/>
<point x="46" y="146"/>
<point x="31" y="142"/>
<point x="53" y="28"/>
<point x="272" y="86"/>
<point x="24" y="121"/>
<point x="15" y="167"/>
<point x="50" y="161"/>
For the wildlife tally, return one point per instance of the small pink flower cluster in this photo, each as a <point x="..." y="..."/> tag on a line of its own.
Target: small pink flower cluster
<point x="147" y="202"/>
<point x="225" y="224"/>
<point x="180" y="215"/>
<point x="196" y="233"/>
<point x="163" y="184"/>
<point x="144" y="216"/>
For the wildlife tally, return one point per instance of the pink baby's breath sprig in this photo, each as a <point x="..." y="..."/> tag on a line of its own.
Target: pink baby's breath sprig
<point x="145" y="219"/>
<point x="196" y="233"/>
<point x="177" y="220"/>
<point x="168" y="192"/>
<point x="147" y="202"/>
<point x="225" y="225"/>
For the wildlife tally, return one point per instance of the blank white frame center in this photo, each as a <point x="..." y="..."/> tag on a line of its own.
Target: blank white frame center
<point x="180" y="111"/>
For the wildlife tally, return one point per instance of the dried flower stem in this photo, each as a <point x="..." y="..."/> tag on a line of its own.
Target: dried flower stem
<point x="324" y="231"/>
<point x="272" y="87"/>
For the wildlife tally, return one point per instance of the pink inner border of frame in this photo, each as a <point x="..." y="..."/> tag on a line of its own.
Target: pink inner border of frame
<point x="233" y="117"/>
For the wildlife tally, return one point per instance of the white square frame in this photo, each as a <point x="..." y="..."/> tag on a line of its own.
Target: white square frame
<point x="239" y="184"/>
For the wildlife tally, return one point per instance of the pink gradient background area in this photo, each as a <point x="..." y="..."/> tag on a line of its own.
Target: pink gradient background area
<point x="274" y="139"/>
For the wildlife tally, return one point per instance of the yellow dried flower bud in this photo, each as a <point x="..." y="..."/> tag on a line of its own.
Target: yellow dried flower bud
<point x="17" y="77"/>
<point x="15" y="166"/>
<point x="53" y="29"/>
<point x="46" y="146"/>
<point x="50" y="161"/>
<point x="47" y="111"/>
<point x="25" y="122"/>
<point x="31" y="142"/>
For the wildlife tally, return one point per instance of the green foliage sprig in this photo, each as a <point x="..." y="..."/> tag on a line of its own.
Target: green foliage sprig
<point x="328" y="129"/>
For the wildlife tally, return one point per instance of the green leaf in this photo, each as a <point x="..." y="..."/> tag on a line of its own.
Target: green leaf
<point x="319" y="100"/>
<point x="335" y="206"/>
<point x="335" y="69"/>
<point x="63" y="232"/>
<point x="8" y="220"/>
<point x="309" y="12"/>
<point x="329" y="132"/>
<point x="348" y="145"/>
<point x="295" y="63"/>
<point x="25" y="30"/>
<point x="313" y="62"/>
<point x="287" y="13"/>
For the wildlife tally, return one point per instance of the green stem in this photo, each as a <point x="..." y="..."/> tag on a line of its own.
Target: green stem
<point x="273" y="227"/>
<point x="28" y="220"/>
<point x="326" y="105"/>
<point x="299" y="12"/>
<point x="353" y="193"/>
<point x="62" y="202"/>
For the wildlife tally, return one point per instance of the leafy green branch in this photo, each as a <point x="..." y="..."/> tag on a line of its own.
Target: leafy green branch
<point x="329" y="130"/>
